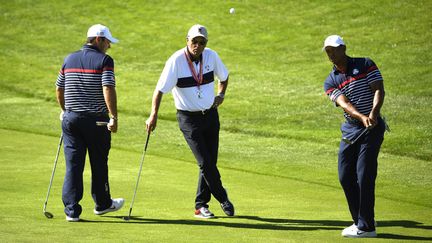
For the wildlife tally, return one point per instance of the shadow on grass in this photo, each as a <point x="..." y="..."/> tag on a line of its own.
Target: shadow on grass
<point x="279" y="224"/>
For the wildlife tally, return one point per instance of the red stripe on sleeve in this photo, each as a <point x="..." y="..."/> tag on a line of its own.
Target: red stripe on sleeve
<point x="329" y="91"/>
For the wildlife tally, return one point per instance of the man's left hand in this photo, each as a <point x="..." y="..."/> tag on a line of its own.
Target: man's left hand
<point x="112" y="125"/>
<point x="218" y="100"/>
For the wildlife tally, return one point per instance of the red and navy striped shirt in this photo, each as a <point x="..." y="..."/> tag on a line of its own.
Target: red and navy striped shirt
<point x="354" y="84"/>
<point x="82" y="76"/>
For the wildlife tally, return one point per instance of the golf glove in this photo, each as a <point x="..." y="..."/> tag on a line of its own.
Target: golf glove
<point x="61" y="115"/>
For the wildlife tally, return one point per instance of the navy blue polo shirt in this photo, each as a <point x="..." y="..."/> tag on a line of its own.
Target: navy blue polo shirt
<point x="82" y="76"/>
<point x="354" y="84"/>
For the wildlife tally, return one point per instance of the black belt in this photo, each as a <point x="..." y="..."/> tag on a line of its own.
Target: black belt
<point x="89" y="114"/>
<point x="197" y="113"/>
<point x="353" y="121"/>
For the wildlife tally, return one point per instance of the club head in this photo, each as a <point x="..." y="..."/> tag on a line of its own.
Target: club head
<point x="126" y="218"/>
<point x="346" y="140"/>
<point x="48" y="215"/>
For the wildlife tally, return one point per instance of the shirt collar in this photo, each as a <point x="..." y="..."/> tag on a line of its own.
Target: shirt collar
<point x="92" y="47"/>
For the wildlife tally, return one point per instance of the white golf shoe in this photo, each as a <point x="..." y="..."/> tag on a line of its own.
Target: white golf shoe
<point x="347" y="230"/>
<point x="203" y="213"/>
<point x="70" y="219"/>
<point x="117" y="203"/>
<point x="353" y="232"/>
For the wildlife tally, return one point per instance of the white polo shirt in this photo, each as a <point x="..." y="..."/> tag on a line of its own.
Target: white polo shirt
<point x="177" y="77"/>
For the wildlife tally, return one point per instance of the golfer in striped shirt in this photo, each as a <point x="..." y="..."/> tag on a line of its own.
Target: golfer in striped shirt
<point x="87" y="96"/>
<point x="356" y="85"/>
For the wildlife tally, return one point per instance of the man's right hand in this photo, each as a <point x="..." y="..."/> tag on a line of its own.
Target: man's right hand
<point x="368" y="122"/>
<point x="151" y="123"/>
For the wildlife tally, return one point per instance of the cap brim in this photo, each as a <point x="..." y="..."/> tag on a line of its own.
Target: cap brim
<point x="332" y="45"/>
<point x="112" y="39"/>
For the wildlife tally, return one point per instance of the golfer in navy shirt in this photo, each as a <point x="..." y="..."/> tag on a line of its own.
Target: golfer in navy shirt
<point x="190" y="74"/>
<point x="87" y="96"/>
<point x="356" y="85"/>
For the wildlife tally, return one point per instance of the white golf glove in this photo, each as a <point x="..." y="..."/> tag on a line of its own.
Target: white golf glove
<point x="61" y="115"/>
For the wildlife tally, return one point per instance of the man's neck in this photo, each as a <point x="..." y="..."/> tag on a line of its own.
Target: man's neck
<point x="343" y="65"/>
<point x="95" y="46"/>
<point x="193" y="57"/>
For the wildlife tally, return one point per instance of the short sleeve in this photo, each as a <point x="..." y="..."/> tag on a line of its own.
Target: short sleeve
<point x="331" y="90"/>
<point x="60" y="83"/>
<point x="373" y="73"/>
<point x="108" y="77"/>
<point x="168" y="78"/>
<point x="220" y="70"/>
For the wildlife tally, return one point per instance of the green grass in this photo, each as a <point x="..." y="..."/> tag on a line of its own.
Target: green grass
<point x="279" y="136"/>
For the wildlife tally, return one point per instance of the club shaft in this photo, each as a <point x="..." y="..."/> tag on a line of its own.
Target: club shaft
<point x="139" y="174"/>
<point x="360" y="135"/>
<point x="53" y="172"/>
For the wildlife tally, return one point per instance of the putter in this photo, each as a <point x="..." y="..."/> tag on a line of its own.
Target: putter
<point x="138" y="178"/>
<point x="46" y="213"/>
<point x="346" y="140"/>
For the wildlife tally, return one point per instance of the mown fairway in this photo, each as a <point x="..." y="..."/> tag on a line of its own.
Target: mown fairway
<point x="279" y="134"/>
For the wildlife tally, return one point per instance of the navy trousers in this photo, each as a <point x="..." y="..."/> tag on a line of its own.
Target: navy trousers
<point x="80" y="135"/>
<point x="357" y="164"/>
<point x="201" y="132"/>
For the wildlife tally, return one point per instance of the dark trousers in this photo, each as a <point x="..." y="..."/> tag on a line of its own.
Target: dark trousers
<point x="80" y="134"/>
<point x="201" y="132"/>
<point x="358" y="170"/>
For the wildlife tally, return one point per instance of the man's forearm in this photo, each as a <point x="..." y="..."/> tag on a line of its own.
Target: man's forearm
<point x="344" y="103"/>
<point x="110" y="97"/>
<point x="378" y="100"/>
<point x="156" y="101"/>
<point x="60" y="97"/>
<point x="222" y="86"/>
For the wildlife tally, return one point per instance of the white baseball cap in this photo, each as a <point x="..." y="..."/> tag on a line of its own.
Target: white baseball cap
<point x="99" y="30"/>
<point x="334" y="41"/>
<point x="197" y="30"/>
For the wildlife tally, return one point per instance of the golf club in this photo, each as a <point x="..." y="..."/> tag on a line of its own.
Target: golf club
<point x="138" y="178"/>
<point x="48" y="214"/>
<point x="348" y="141"/>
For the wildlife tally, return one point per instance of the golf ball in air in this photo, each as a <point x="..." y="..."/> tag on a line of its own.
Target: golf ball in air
<point x="232" y="10"/>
